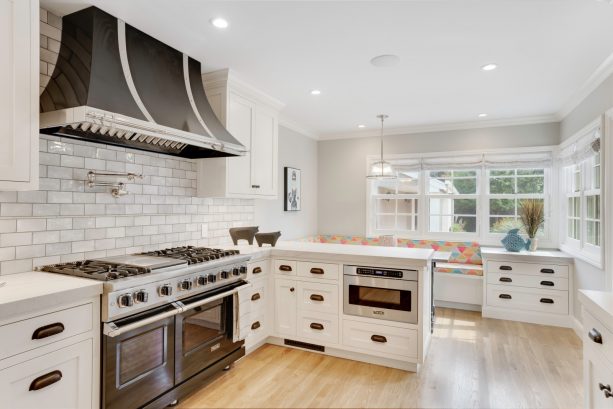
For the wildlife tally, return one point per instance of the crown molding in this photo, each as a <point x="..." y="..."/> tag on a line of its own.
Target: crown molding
<point x="297" y="127"/>
<point x="603" y="72"/>
<point x="450" y="126"/>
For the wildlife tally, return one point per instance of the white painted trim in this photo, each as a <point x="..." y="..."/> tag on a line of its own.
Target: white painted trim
<point x="601" y="73"/>
<point x="451" y="126"/>
<point x="289" y="123"/>
<point x="577" y="326"/>
<point x="556" y="320"/>
<point x="457" y="305"/>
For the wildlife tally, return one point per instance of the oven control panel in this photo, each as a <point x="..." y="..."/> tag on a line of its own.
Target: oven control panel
<point x="378" y="272"/>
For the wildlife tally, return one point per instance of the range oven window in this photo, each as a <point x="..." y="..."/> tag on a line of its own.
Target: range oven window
<point x="141" y="354"/>
<point x="203" y="326"/>
<point x="387" y="298"/>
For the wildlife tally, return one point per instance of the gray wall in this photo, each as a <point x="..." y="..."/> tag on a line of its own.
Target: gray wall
<point x="342" y="165"/>
<point x="297" y="151"/>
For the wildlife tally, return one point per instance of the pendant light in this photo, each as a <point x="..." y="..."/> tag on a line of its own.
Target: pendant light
<point x="381" y="169"/>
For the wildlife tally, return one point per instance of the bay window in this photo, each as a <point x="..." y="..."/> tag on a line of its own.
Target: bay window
<point x="452" y="201"/>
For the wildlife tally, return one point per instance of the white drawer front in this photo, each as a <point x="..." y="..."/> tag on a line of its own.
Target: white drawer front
<point x="25" y="335"/>
<point x="542" y="270"/>
<point x="67" y="371"/>
<point x="318" y="297"/>
<point x="285" y="267"/>
<point x="602" y="337"/>
<point x="549" y="301"/>
<point x="318" y="270"/>
<point x="258" y="328"/>
<point x="531" y="281"/>
<point x="380" y="339"/>
<point x="258" y="296"/>
<point x="257" y="269"/>
<point x="318" y="327"/>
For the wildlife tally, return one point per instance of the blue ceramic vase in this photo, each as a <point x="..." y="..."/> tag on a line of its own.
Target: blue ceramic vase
<point x="514" y="242"/>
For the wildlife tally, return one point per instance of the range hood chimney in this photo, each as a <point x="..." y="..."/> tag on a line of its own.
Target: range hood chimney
<point x="116" y="85"/>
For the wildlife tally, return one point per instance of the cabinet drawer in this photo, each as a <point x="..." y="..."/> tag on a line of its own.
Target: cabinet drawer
<point x="257" y="269"/>
<point x="599" y="377"/>
<point x="380" y="339"/>
<point x="25" y="335"/>
<point x="318" y="297"/>
<point x="258" y="329"/>
<point x="543" y="270"/>
<point x="61" y="379"/>
<point x="318" y="327"/>
<point x="531" y="299"/>
<point x="597" y="337"/>
<point x="285" y="267"/>
<point x="531" y="281"/>
<point x="318" y="270"/>
<point x="258" y="296"/>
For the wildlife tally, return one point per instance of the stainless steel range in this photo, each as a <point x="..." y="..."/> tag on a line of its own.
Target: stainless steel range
<point x="169" y="320"/>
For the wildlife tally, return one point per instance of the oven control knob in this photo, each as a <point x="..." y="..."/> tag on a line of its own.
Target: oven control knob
<point x="211" y="278"/>
<point x="224" y="274"/>
<point x="141" y="296"/>
<point x="243" y="269"/>
<point x="236" y="271"/>
<point x="201" y="280"/>
<point x="125" y="300"/>
<point x="185" y="285"/>
<point x="166" y="290"/>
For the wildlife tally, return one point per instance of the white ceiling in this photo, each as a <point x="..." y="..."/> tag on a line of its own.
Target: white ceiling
<point x="546" y="51"/>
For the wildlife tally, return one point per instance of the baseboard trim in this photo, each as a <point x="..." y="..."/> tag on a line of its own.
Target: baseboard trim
<point x="457" y="305"/>
<point x="554" y="320"/>
<point x="577" y="327"/>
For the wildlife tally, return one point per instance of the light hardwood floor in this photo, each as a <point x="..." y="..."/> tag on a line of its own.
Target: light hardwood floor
<point x="473" y="363"/>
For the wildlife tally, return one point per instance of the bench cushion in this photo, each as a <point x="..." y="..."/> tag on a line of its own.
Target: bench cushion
<point x="455" y="268"/>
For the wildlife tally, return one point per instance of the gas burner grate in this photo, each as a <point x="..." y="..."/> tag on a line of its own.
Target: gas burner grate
<point x="95" y="269"/>
<point x="192" y="254"/>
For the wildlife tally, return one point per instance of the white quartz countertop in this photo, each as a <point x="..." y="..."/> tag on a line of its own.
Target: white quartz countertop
<point x="29" y="292"/>
<point x="341" y="252"/>
<point x="495" y="252"/>
<point x="599" y="304"/>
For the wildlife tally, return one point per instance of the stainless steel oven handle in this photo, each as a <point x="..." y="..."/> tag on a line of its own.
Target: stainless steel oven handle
<point x="111" y="330"/>
<point x="187" y="307"/>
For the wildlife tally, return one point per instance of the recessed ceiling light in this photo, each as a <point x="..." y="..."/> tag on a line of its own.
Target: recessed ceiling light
<point x="385" y="60"/>
<point x="482" y="115"/>
<point x="489" y="67"/>
<point x="315" y="92"/>
<point x="361" y="126"/>
<point x="219" y="22"/>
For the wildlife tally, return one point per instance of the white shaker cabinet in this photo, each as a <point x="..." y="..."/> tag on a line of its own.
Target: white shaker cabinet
<point x="19" y="85"/>
<point x="285" y="307"/>
<point x="252" y="117"/>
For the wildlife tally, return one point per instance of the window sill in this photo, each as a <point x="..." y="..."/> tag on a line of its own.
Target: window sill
<point x="593" y="261"/>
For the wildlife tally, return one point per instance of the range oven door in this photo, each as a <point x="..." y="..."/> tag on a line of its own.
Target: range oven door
<point x="382" y="298"/>
<point x="204" y="331"/>
<point x="138" y="358"/>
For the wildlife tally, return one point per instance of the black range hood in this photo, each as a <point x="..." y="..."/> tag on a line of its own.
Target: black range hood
<point x="116" y="85"/>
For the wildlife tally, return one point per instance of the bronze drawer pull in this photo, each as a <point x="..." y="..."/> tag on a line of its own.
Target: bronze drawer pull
<point x="317" y="326"/>
<point x="505" y="279"/>
<point x="602" y="387"/>
<point x="255" y="297"/>
<point x="316" y="297"/>
<point x="255" y="186"/>
<point x="506" y="268"/>
<point x="547" y="283"/>
<point x="256" y="270"/>
<point x="255" y="325"/>
<point x="48" y="330"/>
<point x="607" y="394"/>
<point x="285" y="267"/>
<point x="378" y="338"/>
<point x="505" y="296"/>
<point x="547" y="271"/>
<point x="546" y="300"/>
<point x="317" y="270"/>
<point x="45" y="380"/>
<point x="595" y="336"/>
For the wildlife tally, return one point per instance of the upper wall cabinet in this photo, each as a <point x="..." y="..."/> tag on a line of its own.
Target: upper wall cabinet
<point x="19" y="79"/>
<point x="252" y="117"/>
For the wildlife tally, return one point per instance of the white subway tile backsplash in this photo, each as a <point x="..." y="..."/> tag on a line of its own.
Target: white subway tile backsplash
<point x="72" y="210"/>
<point x="15" y="266"/>
<point x="15" y="209"/>
<point x="15" y="239"/>
<point x="59" y="197"/>
<point x="72" y="235"/>
<point x="44" y="237"/>
<point x="32" y="197"/>
<point x="7" y="253"/>
<point x="46" y="210"/>
<point x="56" y="249"/>
<point x="60" y="224"/>
<point x="8" y="226"/>
<point x="31" y="251"/>
<point x="29" y="225"/>
<point x="72" y="161"/>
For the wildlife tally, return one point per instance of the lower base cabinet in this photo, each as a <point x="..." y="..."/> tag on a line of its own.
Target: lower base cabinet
<point x="57" y="380"/>
<point x="318" y="327"/>
<point x="380" y="340"/>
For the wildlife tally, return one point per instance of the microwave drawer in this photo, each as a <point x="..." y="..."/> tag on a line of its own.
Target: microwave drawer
<point x="537" y="269"/>
<point x="531" y="281"/>
<point x="529" y="299"/>
<point x="380" y="339"/>
<point x="32" y="333"/>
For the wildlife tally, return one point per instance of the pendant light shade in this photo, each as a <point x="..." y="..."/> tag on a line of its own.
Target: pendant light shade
<point x="381" y="169"/>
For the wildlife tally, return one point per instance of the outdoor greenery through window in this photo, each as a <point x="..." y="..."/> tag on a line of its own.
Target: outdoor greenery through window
<point x="507" y="189"/>
<point x="396" y="202"/>
<point x="453" y="201"/>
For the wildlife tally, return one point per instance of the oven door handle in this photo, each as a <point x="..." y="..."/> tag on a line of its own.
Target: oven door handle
<point x="111" y="330"/>
<point x="187" y="307"/>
